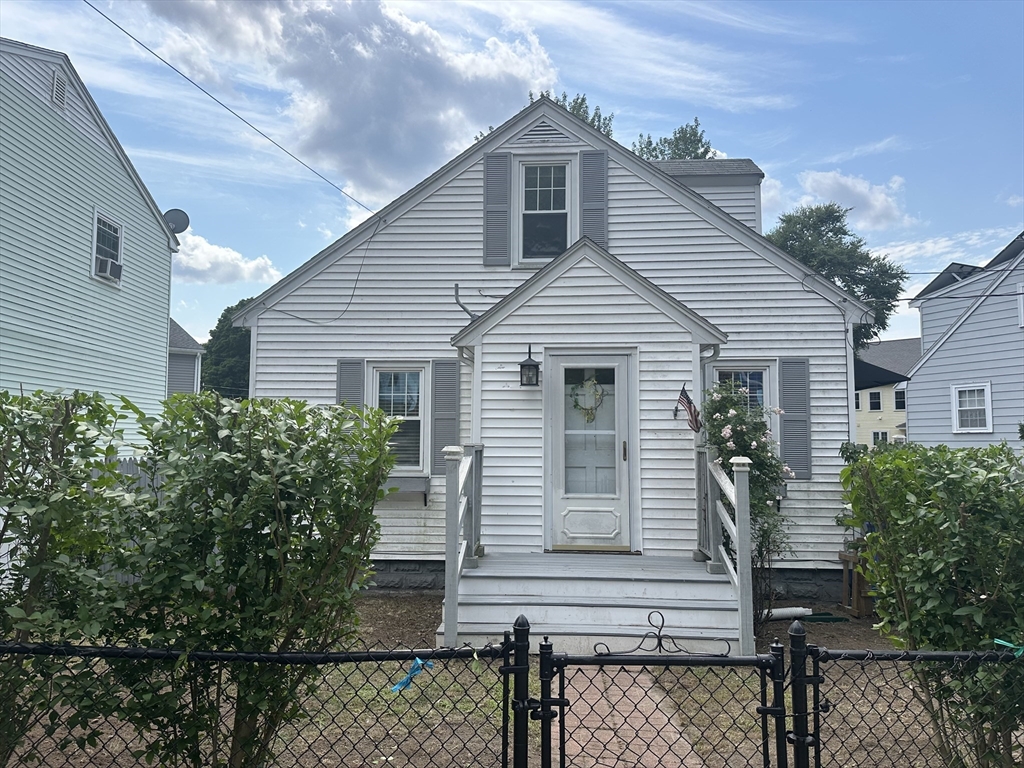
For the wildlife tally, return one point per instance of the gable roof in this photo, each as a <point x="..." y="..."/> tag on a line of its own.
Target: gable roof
<point x="896" y="355"/>
<point x="1005" y="269"/>
<point x="585" y="248"/>
<point x="710" y="167"/>
<point x="179" y="340"/>
<point x="553" y="114"/>
<point x="868" y="376"/>
<point x="954" y="274"/>
<point x="56" y="58"/>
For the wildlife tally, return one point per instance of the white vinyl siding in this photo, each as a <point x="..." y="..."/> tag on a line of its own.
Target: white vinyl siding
<point x="415" y="260"/>
<point x="181" y="373"/>
<point x="988" y="343"/>
<point x="742" y="202"/>
<point x="59" y="327"/>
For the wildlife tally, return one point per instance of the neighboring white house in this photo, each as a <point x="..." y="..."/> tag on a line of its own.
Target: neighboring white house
<point x="184" y="361"/>
<point x="547" y="238"/>
<point x="968" y="387"/>
<point x="880" y="401"/>
<point x="85" y="254"/>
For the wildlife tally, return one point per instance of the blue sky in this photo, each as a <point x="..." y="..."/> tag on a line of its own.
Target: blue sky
<point x="910" y="113"/>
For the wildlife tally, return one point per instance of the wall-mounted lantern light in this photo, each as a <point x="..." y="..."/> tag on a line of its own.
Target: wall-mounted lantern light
<point x="529" y="370"/>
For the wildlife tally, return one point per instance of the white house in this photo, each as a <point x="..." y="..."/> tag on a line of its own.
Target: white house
<point x="968" y="387"/>
<point x="184" y="361"/>
<point x="85" y="254"/>
<point x="548" y="239"/>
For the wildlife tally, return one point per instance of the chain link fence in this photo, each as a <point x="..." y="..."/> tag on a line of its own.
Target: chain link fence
<point x="498" y="706"/>
<point x="139" y="707"/>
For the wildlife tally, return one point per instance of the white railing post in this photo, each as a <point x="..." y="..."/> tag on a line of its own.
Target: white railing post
<point x="714" y="491"/>
<point x="474" y="550"/>
<point x="744" y="567"/>
<point x="453" y="458"/>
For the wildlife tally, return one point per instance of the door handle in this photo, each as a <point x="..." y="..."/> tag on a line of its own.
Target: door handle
<point x="623" y="450"/>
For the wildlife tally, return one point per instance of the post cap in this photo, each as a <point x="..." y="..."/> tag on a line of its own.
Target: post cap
<point x="740" y="462"/>
<point x="796" y="628"/>
<point x="453" y="452"/>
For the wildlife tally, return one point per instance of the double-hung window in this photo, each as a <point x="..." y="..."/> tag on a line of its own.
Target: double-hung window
<point x="545" y="207"/>
<point x="108" y="241"/>
<point x="879" y="437"/>
<point x="874" y="401"/>
<point x="972" y="407"/>
<point x="398" y="391"/>
<point x="900" y="399"/>
<point x="856" y="400"/>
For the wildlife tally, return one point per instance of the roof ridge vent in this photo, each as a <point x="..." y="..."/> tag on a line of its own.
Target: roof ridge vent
<point x="59" y="91"/>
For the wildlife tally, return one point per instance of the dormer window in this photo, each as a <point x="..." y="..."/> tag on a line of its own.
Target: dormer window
<point x="545" y="211"/>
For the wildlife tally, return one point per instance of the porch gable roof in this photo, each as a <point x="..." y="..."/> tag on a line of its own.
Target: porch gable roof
<point x="703" y="331"/>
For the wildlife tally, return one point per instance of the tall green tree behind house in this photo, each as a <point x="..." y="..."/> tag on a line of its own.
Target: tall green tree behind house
<point x="687" y="142"/>
<point x="820" y="237"/>
<point x="578" y="106"/>
<point x="226" y="363"/>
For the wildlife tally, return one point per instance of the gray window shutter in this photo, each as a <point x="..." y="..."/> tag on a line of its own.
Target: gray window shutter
<point x="795" y="422"/>
<point x="497" y="209"/>
<point x="444" y="411"/>
<point x="594" y="196"/>
<point x="351" y="377"/>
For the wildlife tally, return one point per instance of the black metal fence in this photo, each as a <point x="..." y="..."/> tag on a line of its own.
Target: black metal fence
<point x="650" y="705"/>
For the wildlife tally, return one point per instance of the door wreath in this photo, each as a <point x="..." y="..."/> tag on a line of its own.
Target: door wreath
<point x="588" y="389"/>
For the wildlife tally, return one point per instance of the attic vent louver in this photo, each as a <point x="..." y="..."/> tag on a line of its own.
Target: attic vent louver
<point x="542" y="133"/>
<point x="59" y="93"/>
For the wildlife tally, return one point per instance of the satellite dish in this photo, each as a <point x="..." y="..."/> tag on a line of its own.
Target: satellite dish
<point x="177" y="220"/>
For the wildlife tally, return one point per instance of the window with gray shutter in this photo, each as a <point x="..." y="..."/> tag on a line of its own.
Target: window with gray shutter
<point x="594" y="196"/>
<point x="497" y="209"/>
<point x="351" y="379"/>
<point x="795" y="421"/>
<point x="444" y="400"/>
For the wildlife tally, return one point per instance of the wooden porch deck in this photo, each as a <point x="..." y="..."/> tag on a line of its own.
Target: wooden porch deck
<point x="580" y="599"/>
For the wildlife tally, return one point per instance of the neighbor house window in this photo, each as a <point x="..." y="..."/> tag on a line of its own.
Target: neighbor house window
<point x="399" y="392"/>
<point x="753" y="381"/>
<point x="874" y="401"/>
<point x="107" y="249"/>
<point x="856" y="400"/>
<point x="972" y="407"/>
<point x="900" y="399"/>
<point x="545" y="232"/>
<point x="879" y="437"/>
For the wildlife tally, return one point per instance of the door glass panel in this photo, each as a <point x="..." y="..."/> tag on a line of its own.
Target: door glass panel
<point x="589" y="431"/>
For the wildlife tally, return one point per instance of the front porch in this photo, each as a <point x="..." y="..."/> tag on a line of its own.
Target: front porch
<point x="583" y="598"/>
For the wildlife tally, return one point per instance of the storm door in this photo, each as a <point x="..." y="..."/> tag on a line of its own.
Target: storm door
<point x="590" y="453"/>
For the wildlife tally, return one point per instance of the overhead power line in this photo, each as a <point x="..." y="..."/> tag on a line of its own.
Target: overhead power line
<point x="233" y="112"/>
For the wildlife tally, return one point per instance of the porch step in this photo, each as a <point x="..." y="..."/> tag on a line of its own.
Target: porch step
<point x="581" y="599"/>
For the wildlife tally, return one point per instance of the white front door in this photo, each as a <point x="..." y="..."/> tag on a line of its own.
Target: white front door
<point x="589" y="452"/>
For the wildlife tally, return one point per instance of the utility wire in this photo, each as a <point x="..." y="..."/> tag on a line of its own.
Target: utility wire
<point x="233" y="112"/>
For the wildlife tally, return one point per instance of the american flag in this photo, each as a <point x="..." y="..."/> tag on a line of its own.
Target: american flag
<point x="693" y="415"/>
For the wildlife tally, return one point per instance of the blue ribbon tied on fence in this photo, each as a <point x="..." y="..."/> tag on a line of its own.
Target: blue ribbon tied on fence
<point x="418" y="665"/>
<point x="1018" y="650"/>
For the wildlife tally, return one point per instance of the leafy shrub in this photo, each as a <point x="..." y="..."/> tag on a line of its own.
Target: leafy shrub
<point x="945" y="553"/>
<point x="58" y="499"/>
<point x="257" y="539"/>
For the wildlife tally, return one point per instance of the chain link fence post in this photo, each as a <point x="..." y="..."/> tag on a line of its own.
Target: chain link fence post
<point x="521" y="692"/>
<point x="799" y="737"/>
<point x="779" y="702"/>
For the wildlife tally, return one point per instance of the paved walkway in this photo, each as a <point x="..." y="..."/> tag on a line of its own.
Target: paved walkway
<point x="623" y="718"/>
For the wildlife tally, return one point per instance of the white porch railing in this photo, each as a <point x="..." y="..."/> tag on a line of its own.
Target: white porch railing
<point x="462" y="527"/>
<point x="737" y="525"/>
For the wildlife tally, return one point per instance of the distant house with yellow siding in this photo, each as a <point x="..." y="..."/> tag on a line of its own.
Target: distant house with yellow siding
<point x="880" y="403"/>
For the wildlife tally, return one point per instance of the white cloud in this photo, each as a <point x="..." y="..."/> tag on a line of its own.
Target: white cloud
<point x="875" y="206"/>
<point x="775" y="201"/>
<point x="200" y="261"/>
<point x="889" y="144"/>
<point x="1014" y="200"/>
<point x="935" y="253"/>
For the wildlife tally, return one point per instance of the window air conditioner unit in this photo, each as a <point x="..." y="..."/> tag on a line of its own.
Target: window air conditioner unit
<point x="108" y="268"/>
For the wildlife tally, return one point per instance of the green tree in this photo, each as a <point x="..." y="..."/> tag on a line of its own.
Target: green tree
<point x="820" y="237"/>
<point x="258" y="540"/>
<point x="687" y="142"/>
<point x="226" y="362"/>
<point x="578" y="106"/>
